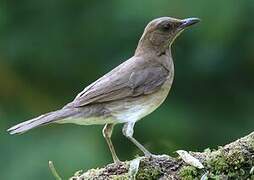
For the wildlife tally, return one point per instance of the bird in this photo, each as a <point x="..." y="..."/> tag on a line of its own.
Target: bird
<point x="127" y="93"/>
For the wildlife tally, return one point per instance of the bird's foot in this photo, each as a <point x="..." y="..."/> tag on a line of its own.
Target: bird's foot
<point x="134" y="164"/>
<point x="118" y="162"/>
<point x="155" y="156"/>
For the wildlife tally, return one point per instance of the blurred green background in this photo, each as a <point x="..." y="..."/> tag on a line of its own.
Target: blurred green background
<point x="51" y="49"/>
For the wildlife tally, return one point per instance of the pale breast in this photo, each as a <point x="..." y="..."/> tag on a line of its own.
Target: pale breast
<point x="134" y="109"/>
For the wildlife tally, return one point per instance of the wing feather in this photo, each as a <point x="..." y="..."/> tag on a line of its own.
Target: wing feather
<point x="119" y="83"/>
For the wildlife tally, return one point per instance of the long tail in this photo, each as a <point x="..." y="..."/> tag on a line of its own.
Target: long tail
<point x="40" y="120"/>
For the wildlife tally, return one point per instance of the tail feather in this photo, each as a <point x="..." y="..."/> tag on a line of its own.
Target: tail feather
<point x="39" y="121"/>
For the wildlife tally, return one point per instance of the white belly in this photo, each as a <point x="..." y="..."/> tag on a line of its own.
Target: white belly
<point x="138" y="108"/>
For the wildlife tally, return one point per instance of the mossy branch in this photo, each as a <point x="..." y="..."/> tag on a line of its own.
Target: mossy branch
<point x="233" y="161"/>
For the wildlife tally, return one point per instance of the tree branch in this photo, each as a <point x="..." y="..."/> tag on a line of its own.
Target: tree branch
<point x="233" y="161"/>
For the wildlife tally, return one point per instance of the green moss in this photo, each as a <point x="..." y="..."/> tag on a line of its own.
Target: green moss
<point x="188" y="173"/>
<point x="251" y="142"/>
<point x="217" y="161"/>
<point x="120" y="177"/>
<point x="232" y="164"/>
<point x="148" y="173"/>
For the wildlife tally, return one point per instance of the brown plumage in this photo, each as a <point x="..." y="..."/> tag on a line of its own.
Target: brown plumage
<point x="129" y="92"/>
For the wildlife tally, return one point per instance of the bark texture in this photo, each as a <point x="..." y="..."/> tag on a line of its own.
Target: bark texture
<point x="232" y="161"/>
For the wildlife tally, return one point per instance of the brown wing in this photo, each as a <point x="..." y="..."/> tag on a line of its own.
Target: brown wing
<point x="121" y="83"/>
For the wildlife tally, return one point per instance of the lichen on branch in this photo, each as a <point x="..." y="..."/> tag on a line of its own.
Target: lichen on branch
<point x="233" y="161"/>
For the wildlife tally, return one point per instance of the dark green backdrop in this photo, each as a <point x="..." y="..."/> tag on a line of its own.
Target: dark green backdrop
<point x="51" y="49"/>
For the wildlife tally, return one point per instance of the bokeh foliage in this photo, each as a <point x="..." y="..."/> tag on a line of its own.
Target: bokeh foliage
<point x="51" y="49"/>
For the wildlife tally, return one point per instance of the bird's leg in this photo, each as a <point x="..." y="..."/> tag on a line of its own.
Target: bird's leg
<point x="107" y="132"/>
<point x="128" y="132"/>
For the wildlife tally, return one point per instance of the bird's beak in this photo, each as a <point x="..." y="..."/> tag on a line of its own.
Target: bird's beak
<point x="188" y="22"/>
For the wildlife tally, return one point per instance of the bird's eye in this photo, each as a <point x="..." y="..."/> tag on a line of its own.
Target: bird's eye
<point x="166" y="27"/>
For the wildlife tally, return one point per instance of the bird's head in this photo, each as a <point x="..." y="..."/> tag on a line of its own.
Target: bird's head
<point x="160" y="33"/>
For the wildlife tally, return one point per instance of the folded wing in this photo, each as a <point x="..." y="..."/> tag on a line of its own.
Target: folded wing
<point x="121" y="83"/>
